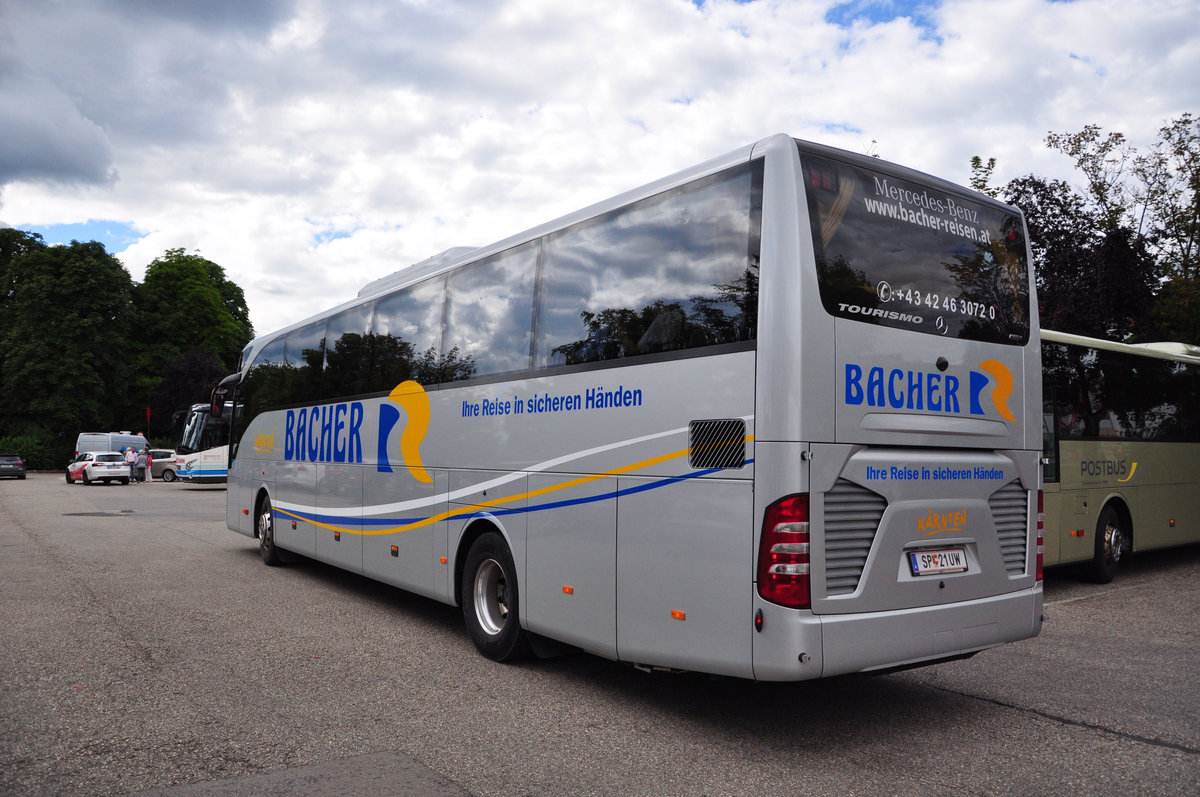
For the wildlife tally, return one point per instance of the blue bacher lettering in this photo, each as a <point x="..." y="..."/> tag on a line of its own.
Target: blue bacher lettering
<point x="902" y="390"/>
<point x="326" y="433"/>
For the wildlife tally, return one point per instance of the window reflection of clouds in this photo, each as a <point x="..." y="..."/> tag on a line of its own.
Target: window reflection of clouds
<point x="671" y="272"/>
<point x="272" y="353"/>
<point x="670" y="248"/>
<point x="413" y="314"/>
<point x="489" y="312"/>
<point x="353" y="321"/>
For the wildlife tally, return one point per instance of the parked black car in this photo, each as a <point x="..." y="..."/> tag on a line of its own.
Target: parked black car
<point x="12" y="465"/>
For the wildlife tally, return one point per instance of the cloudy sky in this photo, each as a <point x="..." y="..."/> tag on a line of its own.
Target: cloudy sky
<point x="311" y="146"/>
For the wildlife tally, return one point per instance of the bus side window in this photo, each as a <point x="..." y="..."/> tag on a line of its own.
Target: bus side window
<point x="1049" y="436"/>
<point x="489" y="314"/>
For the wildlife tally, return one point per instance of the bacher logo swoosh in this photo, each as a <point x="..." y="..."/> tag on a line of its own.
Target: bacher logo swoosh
<point x="1003" y="389"/>
<point x="410" y="397"/>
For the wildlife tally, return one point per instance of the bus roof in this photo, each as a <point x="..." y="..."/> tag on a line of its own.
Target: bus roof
<point x="1180" y="352"/>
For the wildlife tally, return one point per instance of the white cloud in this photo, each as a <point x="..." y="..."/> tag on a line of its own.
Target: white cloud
<point x="311" y="146"/>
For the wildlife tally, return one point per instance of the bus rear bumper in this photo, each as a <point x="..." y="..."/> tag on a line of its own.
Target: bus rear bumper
<point x="795" y="645"/>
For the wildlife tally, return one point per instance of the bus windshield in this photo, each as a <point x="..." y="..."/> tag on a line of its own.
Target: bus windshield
<point x="911" y="255"/>
<point x="193" y="432"/>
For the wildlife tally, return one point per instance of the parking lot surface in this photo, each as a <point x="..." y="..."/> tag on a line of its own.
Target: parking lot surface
<point x="146" y="649"/>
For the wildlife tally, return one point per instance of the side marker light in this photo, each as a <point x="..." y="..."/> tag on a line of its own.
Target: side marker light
<point x="678" y="615"/>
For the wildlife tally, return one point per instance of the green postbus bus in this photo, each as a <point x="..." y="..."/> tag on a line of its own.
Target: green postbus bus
<point x="1121" y="440"/>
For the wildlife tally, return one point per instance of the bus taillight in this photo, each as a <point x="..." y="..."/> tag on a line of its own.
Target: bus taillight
<point x="1041" y="536"/>
<point x="783" y="561"/>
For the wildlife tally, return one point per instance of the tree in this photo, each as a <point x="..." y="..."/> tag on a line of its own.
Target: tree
<point x="185" y="301"/>
<point x="66" y="340"/>
<point x="186" y="380"/>
<point x="981" y="176"/>
<point x="1149" y="204"/>
<point x="13" y="244"/>
<point x="1091" y="280"/>
<point x="1172" y="173"/>
<point x="185" y="309"/>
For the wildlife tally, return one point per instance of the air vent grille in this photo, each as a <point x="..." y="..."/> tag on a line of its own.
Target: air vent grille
<point x="852" y="515"/>
<point x="717" y="444"/>
<point x="1010" y="515"/>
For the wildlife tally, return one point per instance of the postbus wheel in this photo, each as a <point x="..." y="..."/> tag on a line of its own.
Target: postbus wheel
<point x="265" y="526"/>
<point x="1112" y="544"/>
<point x="491" y="600"/>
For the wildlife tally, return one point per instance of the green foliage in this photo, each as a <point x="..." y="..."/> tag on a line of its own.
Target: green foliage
<point x="1177" y="311"/>
<point x="1154" y="193"/>
<point x="65" y="340"/>
<point x="981" y="176"/>
<point x="192" y="324"/>
<point x="40" y="451"/>
<point x="84" y="348"/>
<point x="1119" y="257"/>
<point x="185" y="302"/>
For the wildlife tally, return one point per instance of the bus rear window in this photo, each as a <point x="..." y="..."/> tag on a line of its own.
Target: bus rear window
<point x="898" y="253"/>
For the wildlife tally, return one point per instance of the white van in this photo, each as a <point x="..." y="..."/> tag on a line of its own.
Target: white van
<point x="108" y="441"/>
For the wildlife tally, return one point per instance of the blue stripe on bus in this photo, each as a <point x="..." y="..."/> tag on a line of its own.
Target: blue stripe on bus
<point x="378" y="522"/>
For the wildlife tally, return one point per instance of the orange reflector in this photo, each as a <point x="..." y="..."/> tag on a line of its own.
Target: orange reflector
<point x="1171" y="522"/>
<point x="337" y="535"/>
<point x="678" y="615"/>
<point x="568" y="590"/>
<point x="442" y="559"/>
<point x="395" y="550"/>
<point x="245" y="511"/>
<point x="293" y="525"/>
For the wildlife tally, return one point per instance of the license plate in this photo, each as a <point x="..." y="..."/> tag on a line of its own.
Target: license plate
<point x="929" y="563"/>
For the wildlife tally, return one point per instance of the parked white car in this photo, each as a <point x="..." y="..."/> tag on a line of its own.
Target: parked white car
<point x="98" y="466"/>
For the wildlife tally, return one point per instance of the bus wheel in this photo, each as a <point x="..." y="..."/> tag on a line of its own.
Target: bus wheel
<point x="491" y="600"/>
<point x="266" y="535"/>
<point x="1112" y="543"/>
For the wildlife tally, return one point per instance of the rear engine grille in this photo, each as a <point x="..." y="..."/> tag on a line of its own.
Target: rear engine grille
<point x="1010" y="514"/>
<point x="852" y="515"/>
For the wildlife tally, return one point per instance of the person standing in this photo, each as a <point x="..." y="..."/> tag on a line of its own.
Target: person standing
<point x="131" y="461"/>
<point x="140" y="461"/>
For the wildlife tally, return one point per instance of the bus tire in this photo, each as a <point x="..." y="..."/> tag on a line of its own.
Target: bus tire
<point x="265" y="528"/>
<point x="1112" y="544"/>
<point x="491" y="600"/>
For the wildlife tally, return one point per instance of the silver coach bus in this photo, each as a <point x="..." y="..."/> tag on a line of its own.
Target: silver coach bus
<point x="774" y="417"/>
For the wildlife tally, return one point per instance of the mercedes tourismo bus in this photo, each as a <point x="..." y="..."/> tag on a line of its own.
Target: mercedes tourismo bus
<point x="202" y="454"/>
<point x="775" y="416"/>
<point x="1121" y="428"/>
